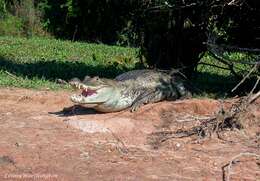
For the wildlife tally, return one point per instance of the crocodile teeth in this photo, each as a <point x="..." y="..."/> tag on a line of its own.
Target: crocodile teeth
<point x="79" y="86"/>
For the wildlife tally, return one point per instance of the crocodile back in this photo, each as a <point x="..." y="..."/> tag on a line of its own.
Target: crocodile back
<point x="134" y="74"/>
<point x="153" y="80"/>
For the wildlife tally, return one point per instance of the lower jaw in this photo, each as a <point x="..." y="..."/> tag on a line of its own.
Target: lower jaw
<point x="89" y="105"/>
<point x="80" y="100"/>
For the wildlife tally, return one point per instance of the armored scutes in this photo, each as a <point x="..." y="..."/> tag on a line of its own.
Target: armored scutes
<point x="128" y="90"/>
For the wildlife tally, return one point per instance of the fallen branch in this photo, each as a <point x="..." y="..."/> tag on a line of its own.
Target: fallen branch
<point x="254" y="97"/>
<point x="245" y="77"/>
<point x="255" y="86"/>
<point x="232" y="161"/>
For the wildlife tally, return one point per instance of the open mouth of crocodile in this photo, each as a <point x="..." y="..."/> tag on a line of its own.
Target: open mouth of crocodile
<point x="90" y="95"/>
<point x="86" y="97"/>
<point x="86" y="92"/>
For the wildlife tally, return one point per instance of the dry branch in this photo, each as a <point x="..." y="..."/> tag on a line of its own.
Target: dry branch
<point x="212" y="65"/>
<point x="255" y="86"/>
<point x="228" y="63"/>
<point x="245" y="77"/>
<point x="233" y="48"/>
<point x="232" y="161"/>
<point x="254" y="97"/>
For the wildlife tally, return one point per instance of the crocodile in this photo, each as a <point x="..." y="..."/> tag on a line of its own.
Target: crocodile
<point x="128" y="90"/>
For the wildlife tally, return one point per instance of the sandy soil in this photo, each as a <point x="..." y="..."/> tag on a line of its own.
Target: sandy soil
<point x="42" y="137"/>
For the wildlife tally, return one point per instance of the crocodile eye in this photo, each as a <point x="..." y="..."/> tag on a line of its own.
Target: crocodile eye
<point x="96" y="78"/>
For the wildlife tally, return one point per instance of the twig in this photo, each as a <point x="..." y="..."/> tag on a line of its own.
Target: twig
<point x="188" y="118"/>
<point x="232" y="161"/>
<point x="12" y="75"/>
<point x="168" y="6"/>
<point x="245" y="77"/>
<point x="234" y="48"/>
<point x="232" y="2"/>
<point x="123" y="150"/>
<point x="75" y="32"/>
<point x="224" y="68"/>
<point x="256" y="84"/>
<point x="212" y="48"/>
<point x="229" y="64"/>
<point x="254" y="97"/>
<point x="223" y="120"/>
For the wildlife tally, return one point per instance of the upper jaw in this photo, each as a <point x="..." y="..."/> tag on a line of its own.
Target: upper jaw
<point x="82" y="86"/>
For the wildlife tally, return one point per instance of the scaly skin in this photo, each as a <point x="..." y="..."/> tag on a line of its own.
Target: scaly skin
<point x="128" y="90"/>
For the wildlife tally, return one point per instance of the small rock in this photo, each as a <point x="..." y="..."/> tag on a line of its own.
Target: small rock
<point x="178" y="145"/>
<point x="17" y="144"/>
<point x="84" y="155"/>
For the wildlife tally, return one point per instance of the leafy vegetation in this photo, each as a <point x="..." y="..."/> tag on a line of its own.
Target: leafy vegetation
<point x="170" y="33"/>
<point x="215" y="78"/>
<point x="21" y="18"/>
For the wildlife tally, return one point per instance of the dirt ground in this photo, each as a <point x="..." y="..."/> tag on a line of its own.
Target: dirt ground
<point x="42" y="137"/>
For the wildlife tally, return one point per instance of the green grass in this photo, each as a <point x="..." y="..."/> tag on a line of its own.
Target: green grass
<point x="216" y="82"/>
<point x="38" y="62"/>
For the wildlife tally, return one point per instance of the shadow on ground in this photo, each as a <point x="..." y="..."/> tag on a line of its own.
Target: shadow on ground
<point x="53" y="69"/>
<point x="75" y="111"/>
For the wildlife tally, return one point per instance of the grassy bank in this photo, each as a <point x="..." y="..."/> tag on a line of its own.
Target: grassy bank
<point x="39" y="62"/>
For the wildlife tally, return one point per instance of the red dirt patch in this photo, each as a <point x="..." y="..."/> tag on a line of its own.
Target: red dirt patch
<point x="39" y="139"/>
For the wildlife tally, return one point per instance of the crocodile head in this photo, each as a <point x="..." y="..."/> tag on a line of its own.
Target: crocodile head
<point x="94" y="91"/>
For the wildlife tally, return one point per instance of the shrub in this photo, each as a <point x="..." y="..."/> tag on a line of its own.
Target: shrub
<point x="21" y="18"/>
<point x="11" y="25"/>
<point x="2" y="8"/>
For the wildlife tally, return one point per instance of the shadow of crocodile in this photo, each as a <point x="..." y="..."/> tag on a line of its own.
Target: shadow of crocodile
<point x="75" y="110"/>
